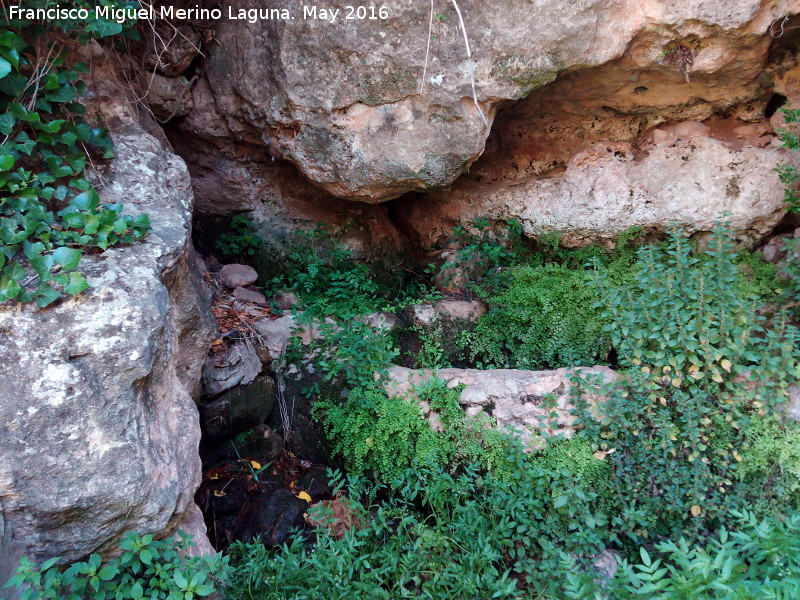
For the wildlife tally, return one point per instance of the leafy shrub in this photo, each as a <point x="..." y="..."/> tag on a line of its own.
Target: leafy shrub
<point x="350" y="351"/>
<point x="760" y="560"/>
<point x="148" y="568"/>
<point x="701" y="362"/>
<point x="683" y="320"/>
<point x="788" y="173"/>
<point x="242" y="240"/>
<point x="327" y="277"/>
<point x="49" y="212"/>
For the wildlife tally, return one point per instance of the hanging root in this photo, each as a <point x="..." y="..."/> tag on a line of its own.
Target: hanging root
<point x="471" y="65"/>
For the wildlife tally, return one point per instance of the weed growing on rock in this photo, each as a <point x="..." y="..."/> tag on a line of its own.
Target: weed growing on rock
<point x="381" y="435"/>
<point x="241" y="241"/>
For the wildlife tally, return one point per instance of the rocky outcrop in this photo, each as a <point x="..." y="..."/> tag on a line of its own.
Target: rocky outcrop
<point x="371" y="109"/>
<point x="100" y="432"/>
<point x="519" y="401"/>
<point x="693" y="179"/>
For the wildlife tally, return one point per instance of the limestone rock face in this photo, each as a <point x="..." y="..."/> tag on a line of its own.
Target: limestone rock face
<point x="355" y="105"/>
<point x="100" y="432"/>
<point x="611" y="187"/>
<point x="520" y="401"/>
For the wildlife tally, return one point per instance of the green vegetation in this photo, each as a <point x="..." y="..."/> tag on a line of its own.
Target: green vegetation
<point x="49" y="213"/>
<point x="242" y="240"/>
<point x="440" y="535"/>
<point x="788" y="173"/>
<point x="148" y="568"/>
<point x="685" y="470"/>
<point x="685" y="417"/>
<point x="382" y="436"/>
<point x="758" y="560"/>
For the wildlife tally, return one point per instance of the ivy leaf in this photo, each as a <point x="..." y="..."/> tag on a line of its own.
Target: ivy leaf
<point x="6" y="162"/>
<point x="68" y="258"/>
<point x="77" y="283"/>
<point x="46" y="294"/>
<point x="104" y="28"/>
<point x="5" y="67"/>
<point x="87" y="201"/>
<point x="9" y="288"/>
<point x="7" y="122"/>
<point x="13" y="85"/>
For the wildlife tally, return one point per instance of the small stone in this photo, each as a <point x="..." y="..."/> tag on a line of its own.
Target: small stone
<point x="285" y="300"/>
<point x="250" y="296"/>
<point x="234" y="276"/>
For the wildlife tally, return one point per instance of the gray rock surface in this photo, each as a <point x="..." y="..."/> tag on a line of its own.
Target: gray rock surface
<point x="100" y="433"/>
<point x="236" y="365"/>
<point x="239" y="409"/>
<point x="359" y="110"/>
<point x="611" y="187"/>
<point x="520" y="401"/>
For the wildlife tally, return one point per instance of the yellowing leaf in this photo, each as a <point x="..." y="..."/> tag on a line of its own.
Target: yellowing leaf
<point x="304" y="496"/>
<point x="726" y="364"/>
<point x="717" y="377"/>
<point x="219" y="493"/>
<point x="676" y="382"/>
<point x="737" y="456"/>
<point x="696" y="510"/>
<point x="255" y="465"/>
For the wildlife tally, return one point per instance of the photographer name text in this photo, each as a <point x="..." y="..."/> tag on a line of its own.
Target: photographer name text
<point x="251" y="15"/>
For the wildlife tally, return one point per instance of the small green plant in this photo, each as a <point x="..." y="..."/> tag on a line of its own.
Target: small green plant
<point x="49" y="213"/>
<point x="243" y="240"/>
<point x="756" y="560"/>
<point x="788" y="173"/>
<point x="382" y="435"/>
<point x="431" y="352"/>
<point x="148" y="569"/>
<point x="349" y="351"/>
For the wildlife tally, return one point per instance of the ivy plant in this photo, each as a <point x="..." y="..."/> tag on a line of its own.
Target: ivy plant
<point x="50" y="215"/>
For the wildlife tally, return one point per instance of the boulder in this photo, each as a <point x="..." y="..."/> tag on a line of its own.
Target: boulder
<point x="100" y="431"/>
<point x="168" y="97"/>
<point x="271" y="517"/>
<point x="234" y="276"/>
<point x="371" y="109"/>
<point x="519" y="401"/>
<point x="238" y="364"/>
<point x="250" y="296"/>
